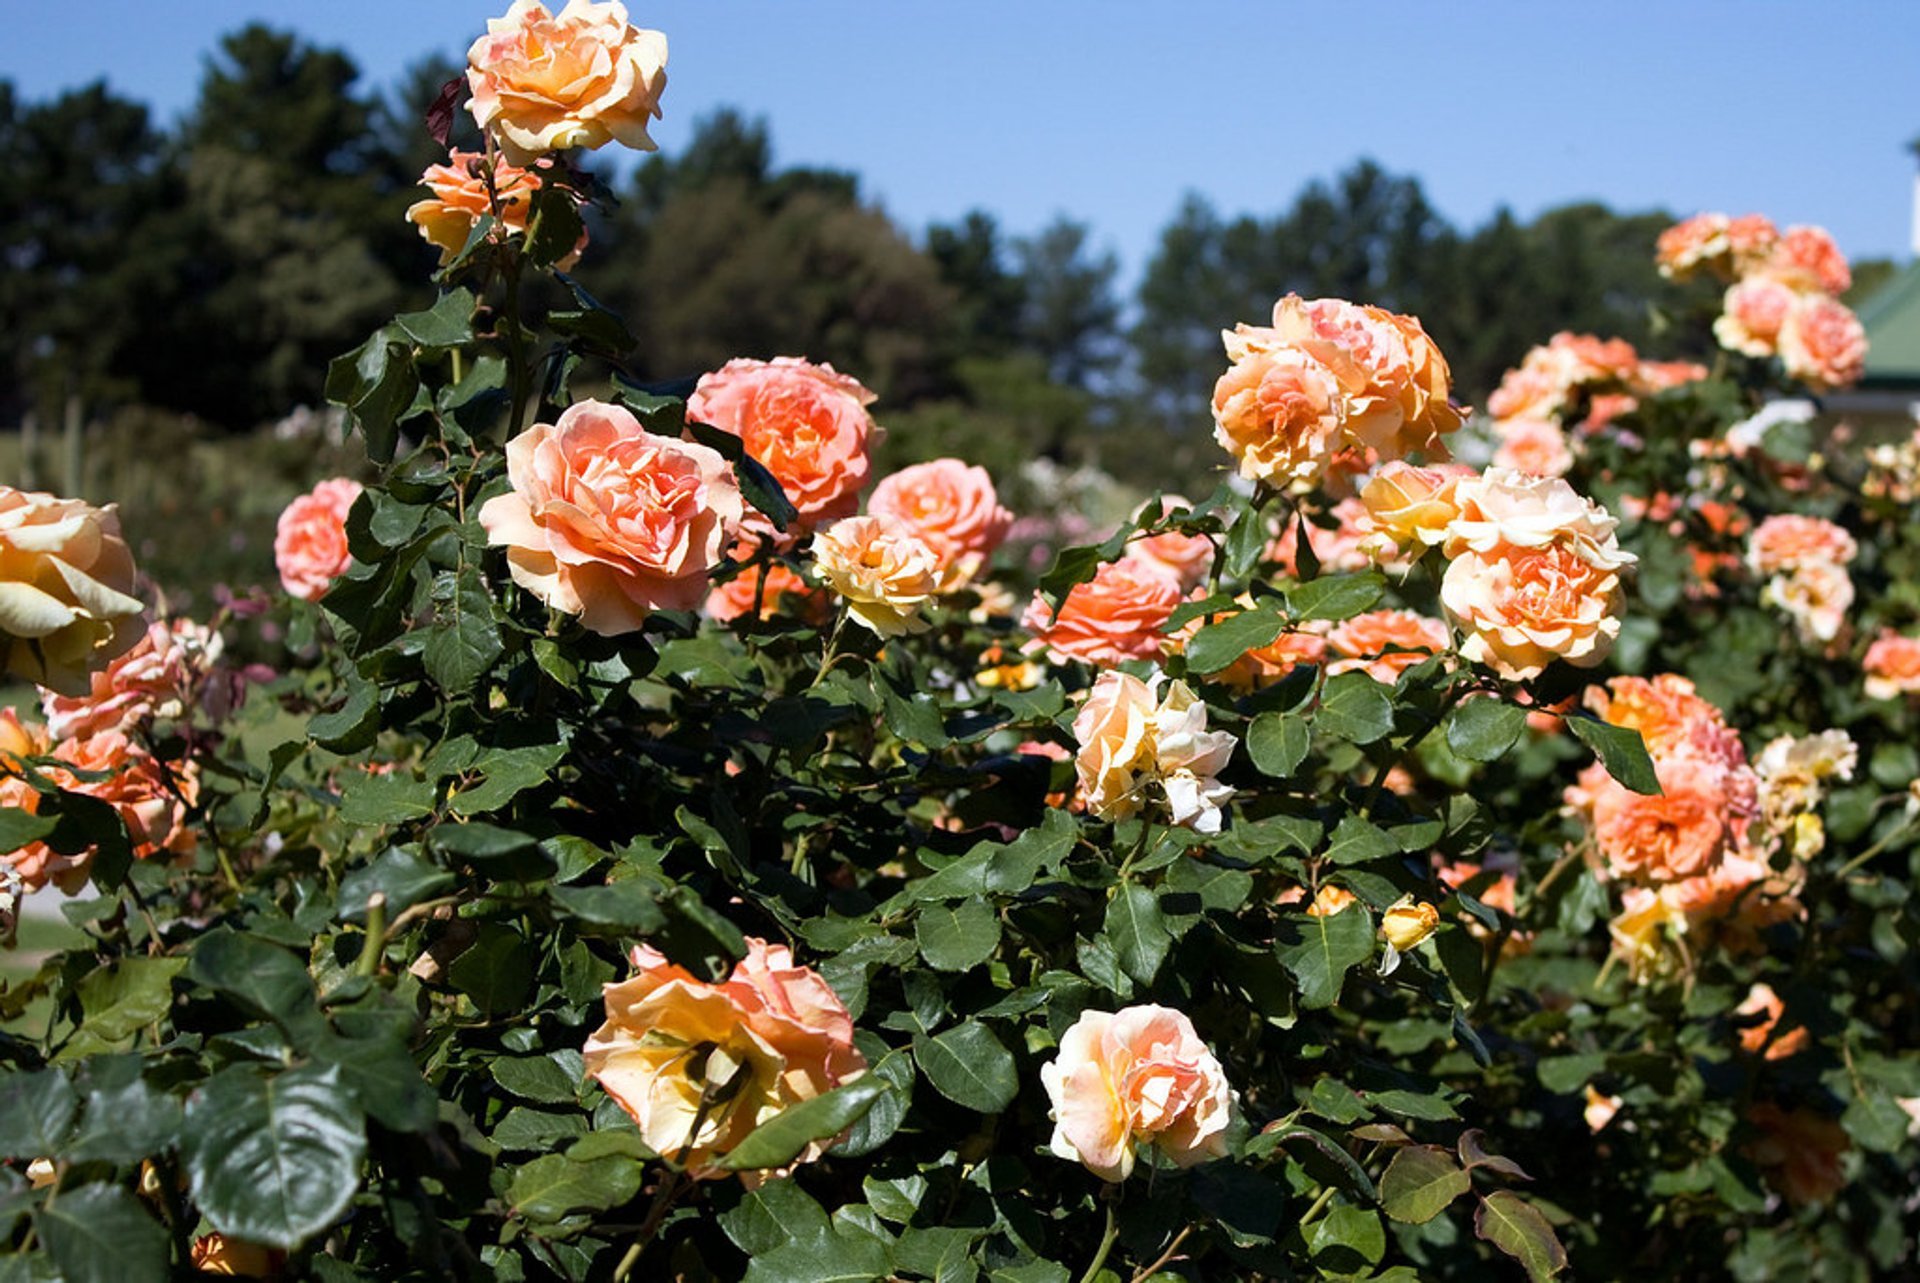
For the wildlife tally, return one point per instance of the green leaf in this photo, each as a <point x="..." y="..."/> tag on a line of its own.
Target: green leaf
<point x="1356" y="841"/>
<point x="1075" y="566"/>
<point x="878" y="1125"/>
<point x="126" y="995"/>
<point x="1347" y="1239"/>
<point x="36" y="1113"/>
<point x="495" y="971"/>
<point x="1622" y="751"/>
<point x="780" y="1139"/>
<point x="266" y="980"/>
<point x="18" y="827"/>
<point x="758" y="485"/>
<point x="773" y="1214"/>
<point x="843" y="1256"/>
<point x="629" y="906"/>
<point x="1246" y="544"/>
<point x="503" y="773"/>
<point x="525" y="1130"/>
<point x="1336" y="596"/>
<point x="1354" y="707"/>
<point x="1278" y="743"/>
<point x="380" y="1074"/>
<point x="401" y="874"/>
<point x="960" y="938"/>
<point x="463" y="642"/>
<point x="1515" y="1226"/>
<point x="273" y="1160"/>
<point x="101" y="1232"/>
<point x="1318" y="951"/>
<point x="1420" y="1182"/>
<point x="448" y="323"/>
<point x="969" y="1066"/>
<point x="1138" y="931"/>
<point x="553" y="1186"/>
<point x="479" y="841"/>
<point x="553" y="225"/>
<point x="1480" y="730"/>
<point x="351" y="727"/>
<point x="377" y="801"/>
<point x="126" y="1122"/>
<point x="1220" y="644"/>
<point x="552" y="1079"/>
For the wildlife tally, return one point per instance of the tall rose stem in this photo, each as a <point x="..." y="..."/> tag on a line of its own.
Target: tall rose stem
<point x="1106" y="1246"/>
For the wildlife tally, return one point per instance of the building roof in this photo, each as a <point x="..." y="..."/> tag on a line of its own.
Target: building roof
<point x="1892" y="320"/>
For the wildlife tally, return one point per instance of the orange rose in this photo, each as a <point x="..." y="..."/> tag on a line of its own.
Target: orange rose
<point x="585" y="78"/>
<point x="1521" y="608"/>
<point x="236" y="1258"/>
<point x="1278" y="412"/>
<point x="1759" y="1037"/>
<point x="1412" y="506"/>
<point x="1670" y="717"/>
<point x="1680" y="833"/>
<point x="783" y="591"/>
<point x="1892" y="666"/>
<point x="154" y="679"/>
<point x="66" y="589"/>
<point x="808" y="424"/>
<point x="1816" y="597"/>
<point x="1132" y="740"/>
<point x="1691" y="244"/>
<point x="1329" y="900"/>
<point x="882" y="568"/>
<point x="1364" y="641"/>
<point x="1137" y="1075"/>
<point x="1823" y="344"/>
<point x="1502" y="508"/>
<point x="1409" y="922"/>
<point x="460" y="199"/>
<point x="610" y="522"/>
<point x="1807" y="259"/>
<point x="700" y="1065"/>
<point x="1354" y="544"/>
<point x="1120" y="614"/>
<point x="1185" y="558"/>
<point x="1394" y="379"/>
<point x="953" y="509"/>
<point x="310" y="541"/>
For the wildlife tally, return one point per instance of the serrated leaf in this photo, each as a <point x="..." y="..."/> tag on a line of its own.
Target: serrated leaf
<point x="102" y="1232"/>
<point x="969" y="1066"/>
<point x="273" y="1160"/>
<point x="550" y="1080"/>
<point x="1515" y="1226"/>
<point x="1473" y="1154"/>
<point x="883" y="1119"/>
<point x="1355" y="708"/>
<point x="1220" y="644"/>
<point x="758" y="485"/>
<point x="958" y="938"/>
<point x="463" y="641"/>
<point x="126" y="995"/>
<point x="773" y="1214"/>
<point x="402" y="875"/>
<point x="1420" y="1182"/>
<point x="1336" y="596"/>
<point x="1480" y="730"/>
<point x="36" y="1113"/>
<point x="18" y="827"/>
<point x="265" y="980"/>
<point x="1278" y="743"/>
<point x="1356" y="841"/>
<point x="837" y="1257"/>
<point x="377" y="801"/>
<point x="780" y="1139"/>
<point x="1621" y="751"/>
<point x="627" y="906"/>
<point x="1319" y="950"/>
<point x="1138" y="932"/>
<point x="553" y="1186"/>
<point x="448" y="323"/>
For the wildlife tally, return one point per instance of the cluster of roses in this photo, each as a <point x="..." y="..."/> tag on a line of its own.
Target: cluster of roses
<point x="1569" y="374"/>
<point x="699" y="1065"/>
<point x="1804" y="561"/>
<point x="70" y="622"/>
<point x="1782" y="298"/>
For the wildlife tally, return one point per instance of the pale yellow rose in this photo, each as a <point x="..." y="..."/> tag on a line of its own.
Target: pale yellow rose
<point x="1409" y="922"/>
<point x="583" y="78"/>
<point x="885" y="571"/>
<point x="66" y="590"/>
<point x="1412" y="506"/>
<point x="1134" y="745"/>
<point x="1504" y="508"/>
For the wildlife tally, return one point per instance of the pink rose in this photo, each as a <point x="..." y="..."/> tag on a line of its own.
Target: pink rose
<point x="1787" y="541"/>
<point x="1751" y="318"/>
<point x="1892" y="666"/>
<point x="1823" y="343"/>
<point x="585" y="78"/>
<point x="1807" y="259"/>
<point x="1364" y="641"/>
<point x="954" y="510"/>
<point x="310" y="542"/>
<point x="154" y="679"/>
<point x="1140" y="1074"/>
<point x="1537" y="447"/>
<point x="808" y="424"/>
<point x="610" y="522"/>
<point x="1120" y="614"/>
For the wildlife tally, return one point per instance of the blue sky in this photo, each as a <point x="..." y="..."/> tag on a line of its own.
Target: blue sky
<point x="1110" y="111"/>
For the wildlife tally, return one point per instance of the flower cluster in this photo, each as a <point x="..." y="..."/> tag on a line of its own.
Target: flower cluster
<point x="1783" y="293"/>
<point x="1134" y="741"/>
<point x="1806" y="559"/>
<point x="1572" y="374"/>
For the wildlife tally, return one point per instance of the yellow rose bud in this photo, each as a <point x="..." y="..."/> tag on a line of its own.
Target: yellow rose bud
<point x="1408" y="923"/>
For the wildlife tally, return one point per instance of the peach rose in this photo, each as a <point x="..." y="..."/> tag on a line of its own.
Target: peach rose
<point x="1671" y="718"/>
<point x="1279" y="413"/>
<point x="1802" y="1154"/>
<point x="585" y="78"/>
<point x="1264" y="665"/>
<point x="1140" y="1074"/>
<point x="1393" y="377"/>
<point x="1600" y="1108"/>
<point x="700" y="1065"/>
<point x="1807" y="259"/>
<point x="883" y="570"/>
<point x="1816" y="596"/>
<point x="1502" y="508"/>
<point x="156" y="679"/>
<point x="1354" y="544"/>
<point x="66" y="589"/>
<point x="808" y="424"/>
<point x="610" y="522"/>
<point x="1186" y="559"/>
<point x="1680" y="833"/>
<point x="1412" y="506"/>
<point x="954" y="510"/>
<point x="1363" y="641"/>
<point x="1787" y="541"/>
<point x="1760" y="1037"/>
<point x="1132" y="740"/>
<point x="1823" y="344"/>
<point x="1892" y="666"/>
<point x="1690" y="245"/>
<point x="1329" y="900"/>
<point x="1753" y="314"/>
<point x="1536" y="447"/>
<point x="1521" y="608"/>
<point x="310" y="541"/>
<point x="784" y="591"/>
<point x="460" y="199"/>
<point x="1658" y="376"/>
<point x="235" y="1258"/>
<point x="1119" y="614"/>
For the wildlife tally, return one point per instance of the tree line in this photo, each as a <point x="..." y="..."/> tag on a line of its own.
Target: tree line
<point x="271" y="225"/>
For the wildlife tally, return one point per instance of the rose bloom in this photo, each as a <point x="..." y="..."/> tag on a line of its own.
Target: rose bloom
<point x="1801" y="1153"/>
<point x="768" y="1037"/>
<point x="1816" y="596"/>
<point x="1823" y="344"/>
<point x="66" y="589"/>
<point x="1528" y="392"/>
<point x="954" y="510"/>
<point x="1406" y="924"/>
<point x="1807" y="259"/>
<point x="1753" y="314"/>
<point x="235" y="1258"/>
<point x="1680" y="833"/>
<point x="1412" y="506"/>
<point x="1794" y="771"/>
<point x="1536" y="447"/>
<point x="1519" y="609"/>
<point x="1502" y="508"/>
<point x="585" y="78"/>
<point x="1140" y="1074"/>
<point x="1600" y="1108"/>
<point x="1658" y="376"/>
<point x="1670" y="717"/>
<point x="1119" y="614"/>
<point x="155" y="679"/>
<point x="1892" y="666"/>
<point x="1131" y="739"/>
<point x="1691" y="244"/>
<point x="784" y="591"/>
<point x="1363" y="643"/>
<point x="460" y="199"/>
<point x="310" y="540"/>
<point x="1187" y="559"/>
<point x="1395" y="381"/>
<point x="1788" y="540"/>
<point x="1278" y="412"/>
<point x="1760" y="1038"/>
<point x="883" y="570"/>
<point x="807" y="424"/>
<point x="1329" y="900"/>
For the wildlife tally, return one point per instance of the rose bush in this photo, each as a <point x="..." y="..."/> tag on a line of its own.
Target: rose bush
<point x="1381" y="868"/>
